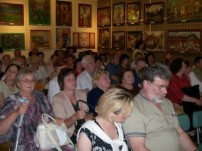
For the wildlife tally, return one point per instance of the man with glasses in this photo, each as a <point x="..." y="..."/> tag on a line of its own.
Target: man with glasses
<point x="153" y="124"/>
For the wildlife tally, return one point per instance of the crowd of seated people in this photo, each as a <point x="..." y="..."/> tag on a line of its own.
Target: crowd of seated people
<point x="69" y="78"/>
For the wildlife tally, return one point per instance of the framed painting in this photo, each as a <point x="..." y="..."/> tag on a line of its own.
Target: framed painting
<point x="40" y="39"/>
<point x="11" y="14"/>
<point x="104" y="17"/>
<point x="184" y="41"/>
<point x="184" y="10"/>
<point x="154" y="40"/>
<point x="154" y="13"/>
<point x="11" y="41"/>
<point x="132" y="37"/>
<point x="84" y="39"/>
<point x="63" y="38"/>
<point x="63" y="13"/>
<point x="119" y="14"/>
<point x="85" y="15"/>
<point x="118" y="39"/>
<point x="104" y="38"/>
<point x="133" y="13"/>
<point x="39" y="12"/>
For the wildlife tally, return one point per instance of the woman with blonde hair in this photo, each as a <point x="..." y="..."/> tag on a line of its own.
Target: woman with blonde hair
<point x="101" y="82"/>
<point x="105" y="132"/>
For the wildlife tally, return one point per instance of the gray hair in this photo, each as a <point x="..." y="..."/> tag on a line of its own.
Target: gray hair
<point x="85" y="59"/>
<point x="156" y="70"/>
<point x="23" y="72"/>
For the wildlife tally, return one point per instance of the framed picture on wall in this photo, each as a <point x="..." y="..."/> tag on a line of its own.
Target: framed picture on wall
<point x="63" y="38"/>
<point x="84" y="39"/>
<point x="118" y="39"/>
<point x="40" y="39"/>
<point x="11" y="41"/>
<point x="63" y="13"/>
<point x="184" y="41"/>
<point x="132" y="37"/>
<point x="184" y="11"/>
<point x="154" y="40"/>
<point x="104" y="38"/>
<point x="104" y="17"/>
<point x="85" y="15"/>
<point x="39" y="12"/>
<point x="133" y="13"/>
<point x="118" y="14"/>
<point x="11" y="14"/>
<point x="154" y="12"/>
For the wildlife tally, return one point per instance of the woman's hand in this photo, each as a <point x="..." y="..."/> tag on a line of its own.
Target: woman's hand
<point x="59" y="121"/>
<point x="21" y="109"/>
<point x="89" y="116"/>
<point x="80" y="114"/>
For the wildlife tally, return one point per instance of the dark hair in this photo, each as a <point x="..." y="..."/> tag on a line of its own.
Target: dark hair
<point x="197" y="59"/>
<point x="147" y="56"/>
<point x="122" y="58"/>
<point x="76" y="61"/>
<point x="40" y="53"/>
<point x="62" y="74"/>
<point x="12" y="64"/>
<point x="156" y="70"/>
<point x="122" y="74"/>
<point x="138" y="43"/>
<point x="176" y="65"/>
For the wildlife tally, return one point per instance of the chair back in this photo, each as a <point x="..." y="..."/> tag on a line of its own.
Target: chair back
<point x="184" y="121"/>
<point x="197" y="123"/>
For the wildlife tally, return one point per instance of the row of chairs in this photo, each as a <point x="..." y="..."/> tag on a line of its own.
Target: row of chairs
<point x="196" y="122"/>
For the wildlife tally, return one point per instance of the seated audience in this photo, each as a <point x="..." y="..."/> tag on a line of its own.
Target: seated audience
<point x="8" y="85"/>
<point x="1" y="72"/>
<point x="124" y="60"/>
<point x="105" y="132"/>
<point x="6" y="59"/>
<point x="66" y="104"/>
<point x="78" y="68"/>
<point x="150" y="58"/>
<point x="101" y="82"/>
<point x="153" y="124"/>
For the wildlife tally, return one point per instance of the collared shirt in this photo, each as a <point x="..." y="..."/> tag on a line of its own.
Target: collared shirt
<point x="84" y="81"/>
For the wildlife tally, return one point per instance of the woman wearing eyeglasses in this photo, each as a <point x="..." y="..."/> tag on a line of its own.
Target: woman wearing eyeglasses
<point x="105" y="132"/>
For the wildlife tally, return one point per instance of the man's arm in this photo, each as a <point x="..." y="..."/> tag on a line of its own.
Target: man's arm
<point x="137" y="143"/>
<point x="185" y="141"/>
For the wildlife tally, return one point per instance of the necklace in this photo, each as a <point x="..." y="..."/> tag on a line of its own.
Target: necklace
<point x="9" y="84"/>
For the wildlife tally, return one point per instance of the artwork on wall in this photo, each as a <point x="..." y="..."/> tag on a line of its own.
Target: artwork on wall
<point x="154" y="40"/>
<point x="63" y="13"/>
<point x="132" y="37"/>
<point x="85" y="15"/>
<point x="40" y="39"/>
<point x="184" y="10"/>
<point x="11" y="14"/>
<point x="133" y="13"/>
<point x="104" y="38"/>
<point x="154" y="12"/>
<point x="118" y="14"/>
<point x="184" y="41"/>
<point x="118" y="39"/>
<point x="39" y="12"/>
<point x="63" y="39"/>
<point x="104" y="17"/>
<point x="9" y="41"/>
<point x="84" y="40"/>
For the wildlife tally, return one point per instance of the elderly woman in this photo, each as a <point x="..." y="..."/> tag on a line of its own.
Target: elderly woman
<point x="101" y="83"/>
<point x="105" y="132"/>
<point x="8" y="85"/>
<point x="13" y="108"/>
<point x="66" y="104"/>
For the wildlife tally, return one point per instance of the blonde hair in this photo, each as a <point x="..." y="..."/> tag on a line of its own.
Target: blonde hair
<point x="97" y="76"/>
<point x="115" y="101"/>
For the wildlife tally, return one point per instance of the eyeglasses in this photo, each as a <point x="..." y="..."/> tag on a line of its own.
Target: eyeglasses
<point x="161" y="87"/>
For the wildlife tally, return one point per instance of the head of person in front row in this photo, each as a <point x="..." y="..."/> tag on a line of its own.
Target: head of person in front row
<point x="114" y="106"/>
<point x="153" y="124"/>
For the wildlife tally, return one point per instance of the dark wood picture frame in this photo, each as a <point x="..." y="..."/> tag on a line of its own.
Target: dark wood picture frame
<point x="63" y="13"/>
<point x="11" y="14"/>
<point x="39" y="12"/>
<point x="118" y="39"/>
<point x="184" y="41"/>
<point x="118" y="14"/>
<point x="85" y="15"/>
<point x="63" y="38"/>
<point x="104" y="17"/>
<point x="184" y="11"/>
<point x="154" y="12"/>
<point x="132" y="37"/>
<point x="40" y="39"/>
<point x="104" y="38"/>
<point x="133" y="13"/>
<point x="11" y="41"/>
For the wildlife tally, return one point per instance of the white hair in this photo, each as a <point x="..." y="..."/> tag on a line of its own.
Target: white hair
<point x="85" y="59"/>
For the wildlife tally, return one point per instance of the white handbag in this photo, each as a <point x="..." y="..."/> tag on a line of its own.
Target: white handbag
<point x="50" y="135"/>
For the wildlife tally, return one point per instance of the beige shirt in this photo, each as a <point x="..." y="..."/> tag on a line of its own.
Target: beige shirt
<point x="62" y="106"/>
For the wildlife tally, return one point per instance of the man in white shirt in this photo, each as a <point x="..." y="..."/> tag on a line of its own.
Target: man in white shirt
<point x="84" y="80"/>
